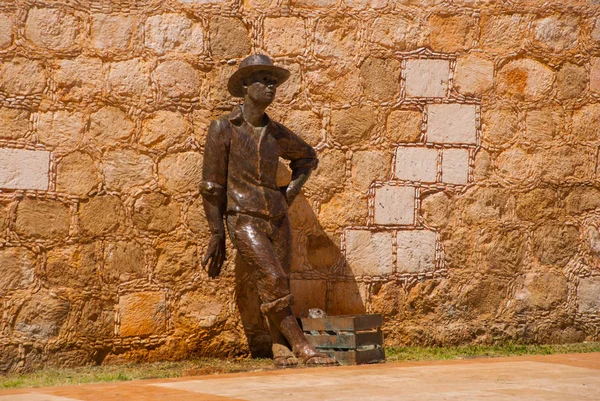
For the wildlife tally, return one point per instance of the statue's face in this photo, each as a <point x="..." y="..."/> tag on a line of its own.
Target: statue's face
<point x="261" y="87"/>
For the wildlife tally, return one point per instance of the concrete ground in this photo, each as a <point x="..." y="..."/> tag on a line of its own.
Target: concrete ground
<point x="549" y="378"/>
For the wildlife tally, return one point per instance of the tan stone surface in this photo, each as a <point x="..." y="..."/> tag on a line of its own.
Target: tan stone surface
<point x="6" y="34"/>
<point x="345" y="208"/>
<point x="176" y="261"/>
<point x="336" y="38"/>
<point x="16" y="266"/>
<point x="503" y="33"/>
<point x="124" y="169"/>
<point x="110" y="124"/>
<point x="451" y="123"/>
<point x="14" y="123"/>
<point x="123" y="261"/>
<point x="285" y="36"/>
<point x="77" y="174"/>
<point x="415" y="251"/>
<point x="73" y="266"/>
<point x="587" y="295"/>
<point x="24" y="169"/>
<point x="100" y="215"/>
<point x="427" y="78"/>
<point x="571" y="80"/>
<point x="451" y="33"/>
<point x="474" y="75"/>
<point x="142" y="314"/>
<point x="557" y="33"/>
<point x="42" y="219"/>
<point x="196" y="311"/>
<point x="330" y="173"/>
<point x="584" y="123"/>
<point x="337" y="83"/>
<point x="129" y="78"/>
<point x="416" y="164"/>
<point x="369" y="166"/>
<point x="556" y="244"/>
<point x="546" y="124"/>
<point x="52" y="28"/>
<point x="177" y="79"/>
<point x="306" y="124"/>
<point x="79" y="79"/>
<point x="455" y="166"/>
<point x="395" y="32"/>
<point x="395" y="205"/>
<point x="113" y="32"/>
<point x="164" y="129"/>
<point x="22" y="76"/>
<point x="499" y="125"/>
<point x="229" y="38"/>
<point x="404" y="126"/>
<point x="381" y="78"/>
<point x="42" y="315"/>
<point x="173" y="32"/>
<point x="353" y="125"/>
<point x="155" y="212"/>
<point x="525" y="79"/>
<point x="180" y="172"/>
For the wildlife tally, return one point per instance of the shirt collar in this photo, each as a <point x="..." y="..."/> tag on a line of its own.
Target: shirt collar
<point x="237" y="116"/>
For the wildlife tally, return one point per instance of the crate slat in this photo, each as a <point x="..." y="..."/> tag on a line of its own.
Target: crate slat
<point x="358" y="357"/>
<point x="345" y="340"/>
<point x="342" y="323"/>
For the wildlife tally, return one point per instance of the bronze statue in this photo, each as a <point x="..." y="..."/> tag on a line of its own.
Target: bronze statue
<point x="239" y="183"/>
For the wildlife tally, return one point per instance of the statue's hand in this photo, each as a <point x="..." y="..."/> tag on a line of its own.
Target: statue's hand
<point x="216" y="254"/>
<point x="291" y="193"/>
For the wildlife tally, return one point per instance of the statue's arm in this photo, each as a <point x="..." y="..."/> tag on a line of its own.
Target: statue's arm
<point x="214" y="193"/>
<point x="303" y="161"/>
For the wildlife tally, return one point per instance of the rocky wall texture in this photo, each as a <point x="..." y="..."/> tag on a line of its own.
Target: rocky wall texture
<point x="457" y="194"/>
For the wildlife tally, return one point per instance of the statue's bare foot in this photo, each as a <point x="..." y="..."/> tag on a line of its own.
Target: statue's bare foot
<point x="283" y="357"/>
<point x="311" y="357"/>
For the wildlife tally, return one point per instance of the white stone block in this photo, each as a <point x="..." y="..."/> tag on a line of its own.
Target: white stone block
<point x="415" y="251"/>
<point x="455" y="166"/>
<point x="369" y="253"/>
<point x="416" y="164"/>
<point x="588" y="295"/>
<point x="395" y="205"/>
<point x="427" y="77"/>
<point x="452" y="123"/>
<point x="24" y="169"/>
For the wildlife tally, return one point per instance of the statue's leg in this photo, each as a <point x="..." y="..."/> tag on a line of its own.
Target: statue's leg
<point x="253" y="239"/>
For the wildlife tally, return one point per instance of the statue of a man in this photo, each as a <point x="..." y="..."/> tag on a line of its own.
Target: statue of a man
<point x="239" y="184"/>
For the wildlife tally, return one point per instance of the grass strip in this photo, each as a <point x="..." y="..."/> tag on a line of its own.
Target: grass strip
<point x="207" y="366"/>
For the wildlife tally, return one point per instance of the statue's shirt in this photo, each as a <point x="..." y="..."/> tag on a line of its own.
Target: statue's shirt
<point x="240" y="164"/>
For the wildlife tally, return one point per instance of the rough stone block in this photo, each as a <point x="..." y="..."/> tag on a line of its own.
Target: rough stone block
<point x="415" y="251"/>
<point x="177" y="79"/>
<point x="229" y="38"/>
<point x="452" y="33"/>
<point x="542" y="290"/>
<point x="308" y="294"/>
<point x="24" y="169"/>
<point x="126" y="169"/>
<point x="571" y="80"/>
<point x="76" y="174"/>
<point x="503" y="33"/>
<point x="100" y="215"/>
<point x="14" y="123"/>
<point x="180" y="172"/>
<point x="404" y="126"/>
<point x="6" y="34"/>
<point x="177" y="261"/>
<point x="474" y="75"/>
<point x="16" y="269"/>
<point x="594" y="75"/>
<point x="416" y="164"/>
<point x="556" y="32"/>
<point x="543" y="125"/>
<point x="74" y="266"/>
<point x="336" y="37"/>
<point x="499" y="126"/>
<point x="285" y="36"/>
<point x="52" y="28"/>
<point x="588" y="297"/>
<point x="304" y="123"/>
<point x="555" y="244"/>
<point x="369" y="253"/>
<point x="197" y="311"/>
<point x="381" y="78"/>
<point x="22" y="76"/>
<point x="353" y="125"/>
<point x="42" y="219"/>
<point x="455" y="166"/>
<point x="61" y="130"/>
<point x="427" y="77"/>
<point x="395" y="205"/>
<point x="369" y="166"/>
<point x="164" y="129"/>
<point x="42" y="315"/>
<point x="196" y="218"/>
<point x="113" y="31"/>
<point x="156" y="212"/>
<point x="345" y="208"/>
<point x="79" y="79"/>
<point x="395" y="32"/>
<point x="452" y="123"/>
<point x="129" y="78"/>
<point x="336" y="83"/>
<point x="142" y="314"/>
<point x="123" y="261"/>
<point x="173" y="32"/>
<point x="331" y="172"/>
<point x="525" y="79"/>
<point x="109" y="125"/>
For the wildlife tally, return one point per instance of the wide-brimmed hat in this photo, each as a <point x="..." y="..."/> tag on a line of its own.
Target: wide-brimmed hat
<point x="256" y="62"/>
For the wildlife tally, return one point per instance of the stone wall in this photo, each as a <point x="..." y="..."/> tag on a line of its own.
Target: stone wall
<point x="457" y="194"/>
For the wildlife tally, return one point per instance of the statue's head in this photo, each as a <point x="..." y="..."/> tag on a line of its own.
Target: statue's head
<point x="257" y="79"/>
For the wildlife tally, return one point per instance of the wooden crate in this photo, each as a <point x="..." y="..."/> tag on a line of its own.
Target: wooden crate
<point x="351" y="339"/>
